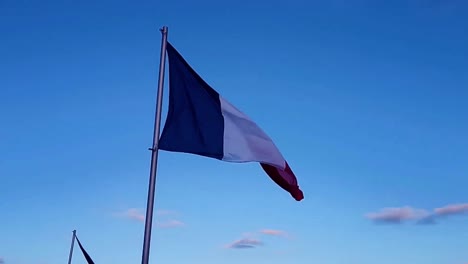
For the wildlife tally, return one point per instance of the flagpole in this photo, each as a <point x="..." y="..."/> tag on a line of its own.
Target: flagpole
<point x="71" y="248"/>
<point x="154" y="151"/>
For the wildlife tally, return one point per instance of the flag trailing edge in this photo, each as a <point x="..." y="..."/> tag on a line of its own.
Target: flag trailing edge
<point x="85" y="254"/>
<point x="201" y="122"/>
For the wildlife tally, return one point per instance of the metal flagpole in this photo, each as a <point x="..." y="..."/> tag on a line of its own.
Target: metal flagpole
<point x="71" y="248"/>
<point x="154" y="152"/>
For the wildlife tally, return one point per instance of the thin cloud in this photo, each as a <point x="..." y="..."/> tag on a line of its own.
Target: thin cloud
<point x="135" y="214"/>
<point x="397" y="215"/>
<point x="452" y="209"/>
<point x="2" y="260"/>
<point x="422" y="217"/>
<point x="138" y="215"/>
<point x="245" y="243"/>
<point x="170" y="224"/>
<point x="274" y="232"/>
<point x="251" y="240"/>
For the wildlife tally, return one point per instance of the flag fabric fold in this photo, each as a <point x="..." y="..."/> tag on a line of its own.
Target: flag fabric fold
<point x="85" y="254"/>
<point x="201" y="122"/>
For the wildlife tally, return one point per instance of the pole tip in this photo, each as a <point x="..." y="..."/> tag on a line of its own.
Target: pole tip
<point x="163" y="29"/>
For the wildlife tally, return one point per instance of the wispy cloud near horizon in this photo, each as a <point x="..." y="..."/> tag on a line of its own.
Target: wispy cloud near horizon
<point x="274" y="232"/>
<point x="251" y="240"/>
<point x="452" y="209"/>
<point x="138" y="215"/>
<point x="398" y="215"/>
<point x="2" y="260"/>
<point x="135" y="214"/>
<point x="245" y="243"/>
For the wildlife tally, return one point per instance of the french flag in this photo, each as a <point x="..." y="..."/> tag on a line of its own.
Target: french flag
<point x="201" y="122"/>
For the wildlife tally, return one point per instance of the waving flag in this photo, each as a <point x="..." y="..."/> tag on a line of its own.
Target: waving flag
<point x="85" y="254"/>
<point x="202" y="122"/>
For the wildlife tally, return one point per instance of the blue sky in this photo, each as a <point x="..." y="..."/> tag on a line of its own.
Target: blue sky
<point x="365" y="99"/>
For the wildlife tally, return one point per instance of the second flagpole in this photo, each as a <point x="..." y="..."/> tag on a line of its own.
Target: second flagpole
<point x="71" y="247"/>
<point x="154" y="151"/>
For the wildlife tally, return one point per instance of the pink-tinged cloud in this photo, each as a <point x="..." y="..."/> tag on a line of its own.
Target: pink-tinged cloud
<point x="397" y="215"/>
<point x="273" y="232"/>
<point x="245" y="243"/>
<point x="452" y="209"/>
<point x="138" y="215"/>
<point x="2" y="260"/>
<point x="135" y="214"/>
<point x="170" y="224"/>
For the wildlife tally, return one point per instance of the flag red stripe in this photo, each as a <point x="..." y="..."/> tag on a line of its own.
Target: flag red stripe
<point x="285" y="179"/>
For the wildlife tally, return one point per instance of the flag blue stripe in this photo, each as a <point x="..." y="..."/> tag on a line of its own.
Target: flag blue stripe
<point x="194" y="121"/>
